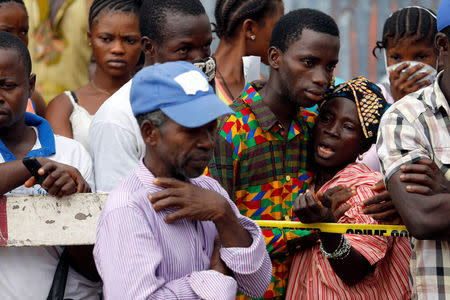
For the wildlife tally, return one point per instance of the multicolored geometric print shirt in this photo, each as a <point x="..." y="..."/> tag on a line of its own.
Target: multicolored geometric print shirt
<point x="263" y="170"/>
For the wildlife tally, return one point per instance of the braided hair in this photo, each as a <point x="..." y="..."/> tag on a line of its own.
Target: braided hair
<point x="230" y="13"/>
<point x="98" y="6"/>
<point x="154" y="12"/>
<point x="412" y="21"/>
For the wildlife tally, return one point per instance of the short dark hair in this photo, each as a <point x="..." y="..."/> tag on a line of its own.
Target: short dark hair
<point x="157" y="117"/>
<point x="416" y="22"/>
<point x="154" y="12"/>
<point x="130" y="6"/>
<point x="289" y="28"/>
<point x="9" y="41"/>
<point x="230" y="13"/>
<point x="446" y="31"/>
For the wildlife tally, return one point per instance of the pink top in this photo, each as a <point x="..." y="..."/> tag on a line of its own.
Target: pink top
<point x="312" y="276"/>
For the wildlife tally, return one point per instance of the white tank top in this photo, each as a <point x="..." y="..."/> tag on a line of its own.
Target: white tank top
<point x="80" y="120"/>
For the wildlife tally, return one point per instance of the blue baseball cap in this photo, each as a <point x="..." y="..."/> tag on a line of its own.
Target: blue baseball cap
<point x="180" y="90"/>
<point x="443" y="15"/>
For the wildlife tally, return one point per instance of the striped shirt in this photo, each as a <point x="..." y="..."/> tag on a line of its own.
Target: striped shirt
<point x="140" y="256"/>
<point x="418" y="126"/>
<point x="312" y="276"/>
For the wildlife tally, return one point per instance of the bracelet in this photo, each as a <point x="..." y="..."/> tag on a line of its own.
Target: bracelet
<point x="341" y="252"/>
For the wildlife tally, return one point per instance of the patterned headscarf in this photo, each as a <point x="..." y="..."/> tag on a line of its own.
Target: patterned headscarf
<point x="370" y="103"/>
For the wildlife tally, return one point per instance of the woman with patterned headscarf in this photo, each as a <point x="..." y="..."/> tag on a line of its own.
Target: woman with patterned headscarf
<point x="344" y="266"/>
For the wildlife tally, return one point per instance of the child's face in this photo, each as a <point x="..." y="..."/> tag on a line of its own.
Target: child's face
<point x="15" y="88"/>
<point x="338" y="135"/>
<point x="115" y="40"/>
<point x="409" y="49"/>
<point x="14" y="19"/>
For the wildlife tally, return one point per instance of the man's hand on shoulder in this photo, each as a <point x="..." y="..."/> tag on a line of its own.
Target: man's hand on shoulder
<point x="380" y="206"/>
<point x="62" y="180"/>
<point x="194" y="202"/>
<point x="421" y="194"/>
<point x="424" y="177"/>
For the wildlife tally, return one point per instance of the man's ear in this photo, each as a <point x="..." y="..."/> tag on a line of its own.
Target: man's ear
<point x="149" y="48"/>
<point x="32" y="84"/>
<point x="150" y="133"/>
<point x="441" y="43"/>
<point x="275" y="56"/>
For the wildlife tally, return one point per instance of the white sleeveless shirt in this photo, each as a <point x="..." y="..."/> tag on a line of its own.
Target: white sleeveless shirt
<point x="80" y="120"/>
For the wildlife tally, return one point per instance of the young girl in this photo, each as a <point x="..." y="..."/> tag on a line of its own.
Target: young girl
<point x="411" y="59"/>
<point x="115" y="40"/>
<point x="244" y="28"/>
<point x="14" y="19"/>
<point x="347" y="266"/>
<point x="410" y="56"/>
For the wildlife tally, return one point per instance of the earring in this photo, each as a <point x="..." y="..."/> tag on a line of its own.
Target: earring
<point x="360" y="157"/>
<point x="253" y="37"/>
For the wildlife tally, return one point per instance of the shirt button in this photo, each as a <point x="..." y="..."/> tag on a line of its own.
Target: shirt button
<point x="286" y="217"/>
<point x="288" y="178"/>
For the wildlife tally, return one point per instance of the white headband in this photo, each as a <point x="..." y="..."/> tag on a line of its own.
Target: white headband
<point x="418" y="7"/>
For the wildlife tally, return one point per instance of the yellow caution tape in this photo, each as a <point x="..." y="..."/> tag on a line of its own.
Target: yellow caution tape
<point x="363" y="229"/>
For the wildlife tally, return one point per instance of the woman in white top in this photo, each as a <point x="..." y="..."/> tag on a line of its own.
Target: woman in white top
<point x="115" y="40"/>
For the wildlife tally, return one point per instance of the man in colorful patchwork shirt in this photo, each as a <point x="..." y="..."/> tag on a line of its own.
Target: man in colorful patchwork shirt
<point x="260" y="156"/>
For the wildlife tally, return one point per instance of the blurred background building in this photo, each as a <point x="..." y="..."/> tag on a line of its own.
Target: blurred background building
<point x="360" y="23"/>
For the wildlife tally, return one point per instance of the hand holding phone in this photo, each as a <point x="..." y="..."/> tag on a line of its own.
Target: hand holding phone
<point x="58" y="179"/>
<point x="33" y="166"/>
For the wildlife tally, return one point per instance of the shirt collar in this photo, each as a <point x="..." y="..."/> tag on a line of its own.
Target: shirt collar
<point x="438" y="100"/>
<point x="146" y="177"/>
<point x="45" y="143"/>
<point x="267" y="119"/>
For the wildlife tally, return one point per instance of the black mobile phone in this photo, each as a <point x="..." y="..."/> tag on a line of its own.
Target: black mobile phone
<point x="33" y="166"/>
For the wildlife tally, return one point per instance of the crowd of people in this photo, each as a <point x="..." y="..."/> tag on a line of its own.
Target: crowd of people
<point x="192" y="153"/>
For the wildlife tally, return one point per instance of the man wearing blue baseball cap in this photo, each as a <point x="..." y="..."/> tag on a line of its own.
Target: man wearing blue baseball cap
<point x="157" y="234"/>
<point x="414" y="145"/>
